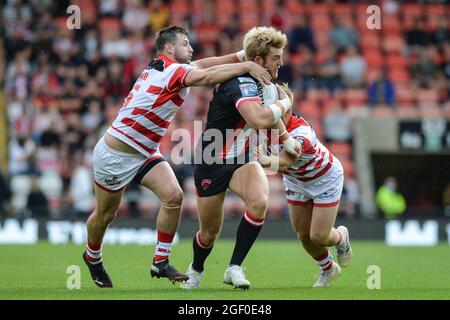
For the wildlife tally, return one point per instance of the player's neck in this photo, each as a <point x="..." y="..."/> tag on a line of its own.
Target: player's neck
<point x="167" y="56"/>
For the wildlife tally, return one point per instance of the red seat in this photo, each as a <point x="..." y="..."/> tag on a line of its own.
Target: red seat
<point x="249" y="20"/>
<point x="248" y="6"/>
<point x="356" y="97"/>
<point x="179" y="7"/>
<point x="370" y="41"/>
<point x="295" y="7"/>
<point x="341" y="9"/>
<point x="391" y="25"/>
<point x="412" y="9"/>
<point x="373" y="58"/>
<point x="309" y="110"/>
<point x="399" y="75"/>
<point x="321" y="9"/>
<point x="436" y="9"/>
<point x="394" y="44"/>
<point x="397" y="60"/>
<point x="406" y="95"/>
<point x="426" y="96"/>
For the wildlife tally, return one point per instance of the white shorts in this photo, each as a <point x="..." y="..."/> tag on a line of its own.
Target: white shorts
<point x="114" y="170"/>
<point x="324" y="191"/>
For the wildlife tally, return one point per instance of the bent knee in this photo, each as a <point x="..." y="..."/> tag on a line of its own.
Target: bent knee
<point x="257" y="206"/>
<point x="172" y="197"/>
<point x="303" y="236"/>
<point x="319" y="238"/>
<point x="208" y="237"/>
<point x="105" y="217"/>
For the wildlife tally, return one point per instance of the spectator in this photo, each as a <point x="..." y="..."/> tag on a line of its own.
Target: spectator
<point x="82" y="199"/>
<point x="425" y="69"/>
<point x="446" y="200"/>
<point x="159" y="16"/>
<point x="110" y="8"/>
<point x="381" y="90"/>
<point x="329" y="70"/>
<point x="337" y="124"/>
<point x="281" y="17"/>
<point x="37" y="203"/>
<point x="353" y="68"/>
<point x="307" y="69"/>
<point x="389" y="201"/>
<point x="343" y="35"/>
<point x="135" y="17"/>
<point x="5" y="195"/>
<point x="445" y="65"/>
<point x="442" y="34"/>
<point x="286" y="72"/>
<point x="417" y="37"/>
<point x="350" y="197"/>
<point x="301" y="35"/>
<point x="21" y="152"/>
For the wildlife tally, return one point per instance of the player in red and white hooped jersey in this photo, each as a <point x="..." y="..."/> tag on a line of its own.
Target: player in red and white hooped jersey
<point x="129" y="150"/>
<point x="314" y="183"/>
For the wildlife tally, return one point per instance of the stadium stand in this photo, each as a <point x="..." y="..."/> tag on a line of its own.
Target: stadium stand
<point x="63" y="87"/>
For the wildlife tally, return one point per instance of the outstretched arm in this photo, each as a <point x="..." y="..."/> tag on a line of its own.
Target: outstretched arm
<point x="224" y="72"/>
<point x="214" y="61"/>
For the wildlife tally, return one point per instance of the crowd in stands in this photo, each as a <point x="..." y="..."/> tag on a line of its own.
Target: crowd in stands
<point x="63" y="87"/>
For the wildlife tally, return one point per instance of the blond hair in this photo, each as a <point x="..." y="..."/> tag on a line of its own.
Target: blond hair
<point x="259" y="40"/>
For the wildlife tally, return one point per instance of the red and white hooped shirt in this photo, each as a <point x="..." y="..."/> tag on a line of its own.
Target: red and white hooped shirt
<point x="315" y="160"/>
<point x="151" y="105"/>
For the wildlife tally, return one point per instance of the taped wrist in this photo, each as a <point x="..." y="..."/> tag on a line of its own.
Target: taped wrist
<point x="241" y="55"/>
<point x="287" y="104"/>
<point x="238" y="56"/>
<point x="277" y="112"/>
<point x="284" y="136"/>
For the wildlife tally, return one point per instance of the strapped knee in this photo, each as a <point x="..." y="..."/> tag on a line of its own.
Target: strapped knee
<point x="170" y="207"/>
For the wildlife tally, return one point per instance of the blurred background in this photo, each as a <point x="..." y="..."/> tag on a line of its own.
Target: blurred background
<point x="378" y="98"/>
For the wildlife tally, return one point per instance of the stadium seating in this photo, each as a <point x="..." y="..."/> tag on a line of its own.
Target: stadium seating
<point x="381" y="49"/>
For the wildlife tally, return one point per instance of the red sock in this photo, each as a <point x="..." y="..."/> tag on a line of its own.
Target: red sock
<point x="94" y="252"/>
<point x="341" y="237"/>
<point x="163" y="246"/>
<point x="325" y="261"/>
<point x="256" y="222"/>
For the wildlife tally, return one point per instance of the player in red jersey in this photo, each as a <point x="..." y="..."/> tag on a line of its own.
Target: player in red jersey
<point x="314" y="183"/>
<point x="130" y="148"/>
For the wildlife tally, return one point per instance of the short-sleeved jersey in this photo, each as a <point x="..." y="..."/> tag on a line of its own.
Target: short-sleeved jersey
<point x="315" y="160"/>
<point x="224" y="117"/>
<point x="151" y="105"/>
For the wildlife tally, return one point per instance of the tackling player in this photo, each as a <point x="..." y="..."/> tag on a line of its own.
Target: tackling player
<point x="314" y="183"/>
<point x="238" y="104"/>
<point x="130" y="148"/>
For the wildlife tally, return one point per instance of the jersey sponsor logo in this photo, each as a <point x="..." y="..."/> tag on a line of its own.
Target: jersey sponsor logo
<point x="112" y="181"/>
<point x="326" y="196"/>
<point x="290" y="193"/>
<point x="246" y="79"/>
<point x="206" y="183"/>
<point x="248" y="89"/>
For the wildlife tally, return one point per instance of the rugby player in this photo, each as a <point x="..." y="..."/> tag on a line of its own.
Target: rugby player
<point x="129" y="150"/>
<point x="238" y="104"/>
<point x="314" y="183"/>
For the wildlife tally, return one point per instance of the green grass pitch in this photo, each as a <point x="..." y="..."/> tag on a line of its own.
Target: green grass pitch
<point x="276" y="269"/>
